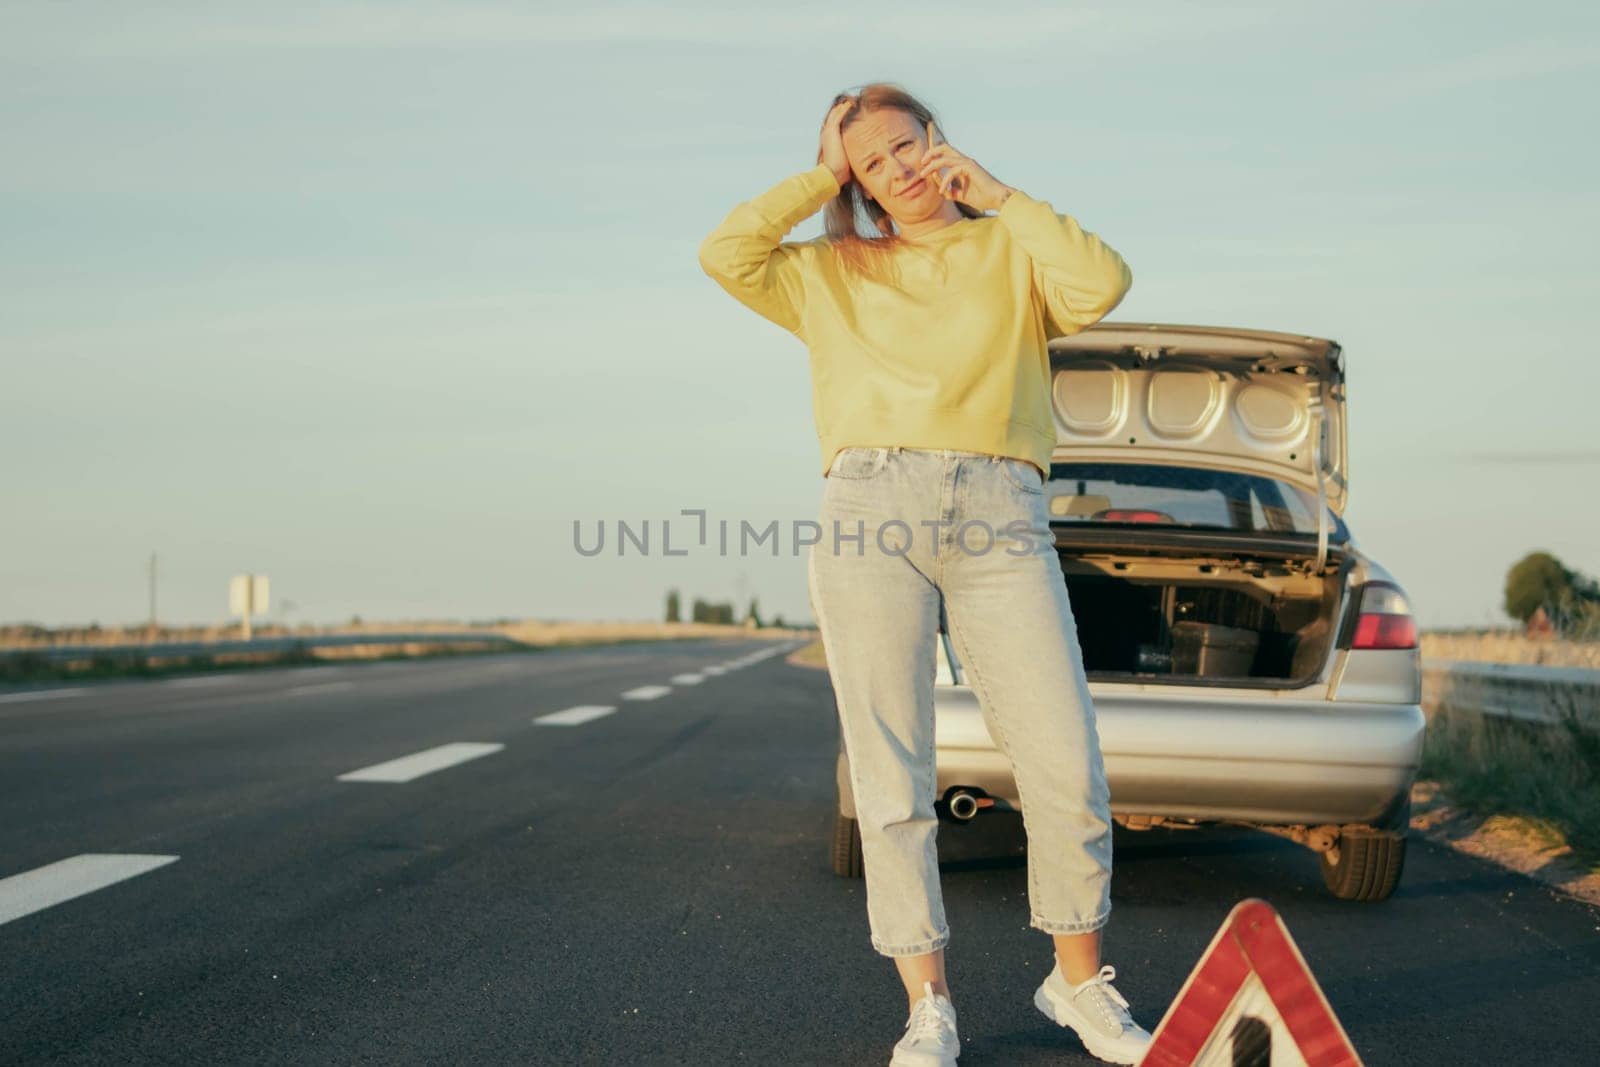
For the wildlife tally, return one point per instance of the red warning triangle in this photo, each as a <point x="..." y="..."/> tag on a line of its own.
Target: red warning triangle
<point x="1250" y="1000"/>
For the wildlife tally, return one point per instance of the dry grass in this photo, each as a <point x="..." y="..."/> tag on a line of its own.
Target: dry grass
<point x="1547" y="777"/>
<point x="1523" y="794"/>
<point x="811" y="655"/>
<point x="1494" y="647"/>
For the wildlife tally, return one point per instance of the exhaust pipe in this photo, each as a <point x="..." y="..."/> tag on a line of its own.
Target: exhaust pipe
<point x="963" y="805"/>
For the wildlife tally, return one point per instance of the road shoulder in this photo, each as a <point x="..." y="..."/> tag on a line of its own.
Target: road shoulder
<point x="1512" y="842"/>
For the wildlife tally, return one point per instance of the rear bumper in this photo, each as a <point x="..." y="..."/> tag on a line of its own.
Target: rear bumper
<point x="1203" y="758"/>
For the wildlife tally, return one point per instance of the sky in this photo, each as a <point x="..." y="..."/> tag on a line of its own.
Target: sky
<point x="379" y="300"/>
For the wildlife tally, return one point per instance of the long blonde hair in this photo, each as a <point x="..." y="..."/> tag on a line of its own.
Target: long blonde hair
<point x="859" y="229"/>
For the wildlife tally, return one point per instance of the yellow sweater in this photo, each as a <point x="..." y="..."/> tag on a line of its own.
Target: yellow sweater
<point x="952" y="353"/>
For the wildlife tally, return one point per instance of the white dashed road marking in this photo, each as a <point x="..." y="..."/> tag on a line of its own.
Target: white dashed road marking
<point x="576" y="716"/>
<point x="713" y="670"/>
<point x="40" y="694"/>
<point x="31" y="891"/>
<point x="418" y="764"/>
<point x="647" y="692"/>
<point x="688" y="679"/>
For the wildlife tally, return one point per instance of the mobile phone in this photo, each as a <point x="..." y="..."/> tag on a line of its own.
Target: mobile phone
<point x="935" y="138"/>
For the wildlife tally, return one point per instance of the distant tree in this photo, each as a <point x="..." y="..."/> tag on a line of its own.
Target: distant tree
<point x="1586" y="626"/>
<point x="706" y="611"/>
<point x="1588" y="589"/>
<point x="672" y="606"/>
<point x="777" y="620"/>
<point x="1540" y="580"/>
<point x="720" y="613"/>
<point x="753" y="616"/>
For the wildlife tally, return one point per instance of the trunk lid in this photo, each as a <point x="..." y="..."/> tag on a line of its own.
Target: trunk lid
<point x="1254" y="401"/>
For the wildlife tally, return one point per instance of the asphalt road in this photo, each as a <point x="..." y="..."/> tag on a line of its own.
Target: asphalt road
<point x="646" y="886"/>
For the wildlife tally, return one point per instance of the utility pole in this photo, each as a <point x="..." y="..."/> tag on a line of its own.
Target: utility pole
<point x="152" y="595"/>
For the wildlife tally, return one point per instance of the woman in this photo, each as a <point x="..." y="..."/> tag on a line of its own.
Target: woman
<point x="931" y="395"/>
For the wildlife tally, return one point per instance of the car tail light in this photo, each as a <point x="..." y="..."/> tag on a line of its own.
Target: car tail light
<point x="1131" y="515"/>
<point x="1383" y="619"/>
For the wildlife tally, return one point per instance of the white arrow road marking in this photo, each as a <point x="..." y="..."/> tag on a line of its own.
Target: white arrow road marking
<point x="647" y="692"/>
<point x="575" y="716"/>
<point x="418" y="764"/>
<point x="688" y="679"/>
<point x="31" y="891"/>
<point x="40" y="694"/>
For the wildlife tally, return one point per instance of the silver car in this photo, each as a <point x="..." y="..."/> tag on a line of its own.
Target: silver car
<point x="1249" y="664"/>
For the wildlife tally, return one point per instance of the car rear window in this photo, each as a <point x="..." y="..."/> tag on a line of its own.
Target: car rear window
<point x="1119" y="493"/>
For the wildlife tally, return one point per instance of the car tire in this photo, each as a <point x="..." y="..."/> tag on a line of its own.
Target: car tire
<point x="846" y="847"/>
<point x="1370" y="859"/>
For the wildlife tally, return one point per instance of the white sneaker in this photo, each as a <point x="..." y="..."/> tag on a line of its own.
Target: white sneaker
<point x="1096" y="1012"/>
<point x="931" y="1039"/>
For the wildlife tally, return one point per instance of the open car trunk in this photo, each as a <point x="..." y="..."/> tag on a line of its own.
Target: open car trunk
<point x="1195" y="490"/>
<point x="1203" y="611"/>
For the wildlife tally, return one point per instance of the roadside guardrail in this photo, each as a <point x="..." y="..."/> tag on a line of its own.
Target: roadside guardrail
<point x="1525" y="691"/>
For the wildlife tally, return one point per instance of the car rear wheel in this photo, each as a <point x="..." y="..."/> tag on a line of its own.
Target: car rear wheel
<point x="1370" y="859"/>
<point x="846" y="846"/>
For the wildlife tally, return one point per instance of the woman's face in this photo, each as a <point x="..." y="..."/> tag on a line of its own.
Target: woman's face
<point x="884" y="148"/>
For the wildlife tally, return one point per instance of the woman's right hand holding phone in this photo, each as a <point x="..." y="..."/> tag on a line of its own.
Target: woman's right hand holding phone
<point x="831" y="150"/>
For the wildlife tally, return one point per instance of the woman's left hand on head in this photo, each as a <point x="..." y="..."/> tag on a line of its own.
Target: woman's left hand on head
<point x="959" y="177"/>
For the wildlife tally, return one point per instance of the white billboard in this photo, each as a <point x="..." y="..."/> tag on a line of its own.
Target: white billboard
<point x="247" y="594"/>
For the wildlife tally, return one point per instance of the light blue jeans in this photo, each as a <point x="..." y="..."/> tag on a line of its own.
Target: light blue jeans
<point x="908" y="533"/>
